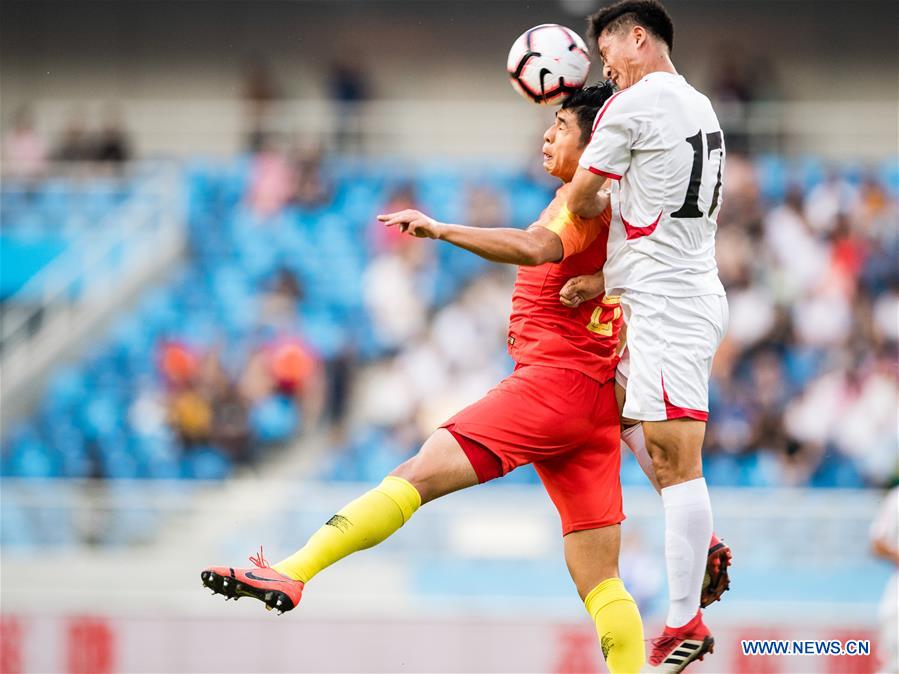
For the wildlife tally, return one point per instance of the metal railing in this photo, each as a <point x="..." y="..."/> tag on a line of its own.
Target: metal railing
<point x="100" y="263"/>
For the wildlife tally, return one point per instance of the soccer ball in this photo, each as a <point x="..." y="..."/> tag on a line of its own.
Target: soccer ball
<point x="548" y="63"/>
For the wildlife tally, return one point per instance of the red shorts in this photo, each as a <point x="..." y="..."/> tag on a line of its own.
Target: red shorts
<point x="563" y="422"/>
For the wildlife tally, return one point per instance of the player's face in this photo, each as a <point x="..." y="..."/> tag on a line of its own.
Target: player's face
<point x="562" y="146"/>
<point x="619" y="51"/>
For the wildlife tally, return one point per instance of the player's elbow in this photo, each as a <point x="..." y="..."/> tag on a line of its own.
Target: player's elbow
<point x="540" y="250"/>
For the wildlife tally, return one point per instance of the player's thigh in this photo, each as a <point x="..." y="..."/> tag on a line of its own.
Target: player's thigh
<point x="440" y="467"/>
<point x="583" y="482"/>
<point x="536" y="413"/>
<point x="592" y="556"/>
<point x="675" y="447"/>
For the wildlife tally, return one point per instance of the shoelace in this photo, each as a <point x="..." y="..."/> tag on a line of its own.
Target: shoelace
<point x="259" y="560"/>
<point x="661" y="646"/>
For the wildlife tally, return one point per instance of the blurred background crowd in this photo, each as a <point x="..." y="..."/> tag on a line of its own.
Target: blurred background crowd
<point x="293" y="300"/>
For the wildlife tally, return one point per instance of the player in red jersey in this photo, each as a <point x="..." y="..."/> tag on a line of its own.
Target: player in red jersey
<point x="557" y="411"/>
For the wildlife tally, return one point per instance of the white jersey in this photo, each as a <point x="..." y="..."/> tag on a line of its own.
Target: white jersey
<point x="660" y="141"/>
<point x="886" y="528"/>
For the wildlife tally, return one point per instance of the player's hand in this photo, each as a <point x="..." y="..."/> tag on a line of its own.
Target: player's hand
<point x="414" y="223"/>
<point x="582" y="288"/>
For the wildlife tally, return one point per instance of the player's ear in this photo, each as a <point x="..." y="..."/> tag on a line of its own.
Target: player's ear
<point x="639" y="35"/>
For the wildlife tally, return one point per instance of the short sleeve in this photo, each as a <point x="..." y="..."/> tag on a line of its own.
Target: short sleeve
<point x="579" y="233"/>
<point x="614" y="133"/>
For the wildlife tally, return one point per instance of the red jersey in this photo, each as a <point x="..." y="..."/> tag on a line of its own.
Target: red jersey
<point x="543" y="331"/>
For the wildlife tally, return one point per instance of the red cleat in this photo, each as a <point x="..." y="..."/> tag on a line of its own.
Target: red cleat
<point x="716" y="581"/>
<point x="262" y="582"/>
<point x="679" y="646"/>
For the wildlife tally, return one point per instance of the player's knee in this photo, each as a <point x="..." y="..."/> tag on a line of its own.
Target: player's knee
<point x="417" y="473"/>
<point x="592" y="556"/>
<point x="676" y="457"/>
<point x="664" y="463"/>
<point x="673" y="469"/>
<point x="433" y="474"/>
<point x="585" y="584"/>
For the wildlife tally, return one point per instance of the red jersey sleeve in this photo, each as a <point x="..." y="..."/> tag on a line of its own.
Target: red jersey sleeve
<point x="576" y="235"/>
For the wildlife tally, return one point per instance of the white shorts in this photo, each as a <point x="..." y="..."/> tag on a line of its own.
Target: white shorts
<point x="671" y="342"/>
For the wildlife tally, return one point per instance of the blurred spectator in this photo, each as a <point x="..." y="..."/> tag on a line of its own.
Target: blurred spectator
<point x="340" y="373"/>
<point x="189" y="411"/>
<point x="454" y="363"/>
<point x="485" y="207"/>
<point x="311" y="189"/>
<point x="75" y="144"/>
<point x="828" y="201"/>
<point x="229" y="423"/>
<point x="732" y="80"/>
<point x="191" y="416"/>
<point x="112" y="144"/>
<point x="260" y="91"/>
<point x="287" y="367"/>
<point x="272" y="179"/>
<point x="866" y="427"/>
<point x="349" y="89"/>
<point x="24" y="149"/>
<point x="733" y="88"/>
<point x="179" y="365"/>
<point x="393" y="294"/>
<point x="279" y="301"/>
<point x="799" y="257"/>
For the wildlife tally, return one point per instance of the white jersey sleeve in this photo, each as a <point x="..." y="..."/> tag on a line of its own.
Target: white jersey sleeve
<point x="615" y="131"/>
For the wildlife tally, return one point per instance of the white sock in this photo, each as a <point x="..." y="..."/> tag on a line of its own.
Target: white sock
<point x="688" y="528"/>
<point x="633" y="437"/>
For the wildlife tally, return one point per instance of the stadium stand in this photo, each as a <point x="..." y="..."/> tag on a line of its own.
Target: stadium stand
<point x="837" y="228"/>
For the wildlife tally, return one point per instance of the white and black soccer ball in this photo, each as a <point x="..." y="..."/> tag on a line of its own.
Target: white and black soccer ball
<point x="548" y="63"/>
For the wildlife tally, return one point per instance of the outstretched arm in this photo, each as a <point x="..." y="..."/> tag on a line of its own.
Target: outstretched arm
<point x="533" y="246"/>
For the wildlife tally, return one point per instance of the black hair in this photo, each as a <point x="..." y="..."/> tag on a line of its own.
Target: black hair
<point x="585" y="104"/>
<point x="650" y="14"/>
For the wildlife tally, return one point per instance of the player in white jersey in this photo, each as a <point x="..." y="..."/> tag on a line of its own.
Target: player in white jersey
<point x="885" y="544"/>
<point x="657" y="154"/>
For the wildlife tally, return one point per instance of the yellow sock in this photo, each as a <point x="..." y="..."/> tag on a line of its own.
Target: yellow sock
<point x="360" y="524"/>
<point x="618" y="625"/>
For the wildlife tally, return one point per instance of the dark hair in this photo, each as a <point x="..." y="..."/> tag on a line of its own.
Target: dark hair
<point x="651" y="14"/>
<point x="585" y="104"/>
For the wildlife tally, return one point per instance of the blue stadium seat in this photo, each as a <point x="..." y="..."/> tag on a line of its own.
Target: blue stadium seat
<point x="213" y="298"/>
<point x="771" y="171"/>
<point x="888" y="173"/>
<point x="205" y="463"/>
<point x="274" y="420"/>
